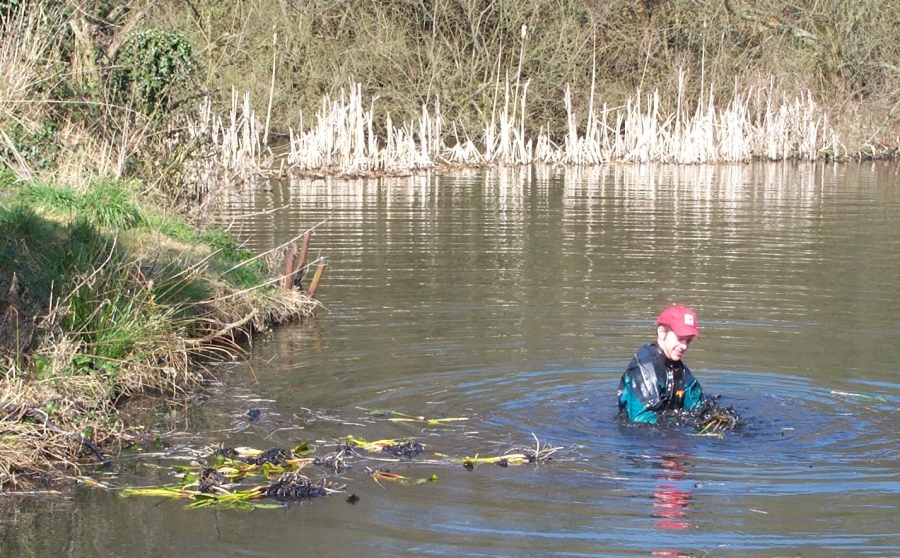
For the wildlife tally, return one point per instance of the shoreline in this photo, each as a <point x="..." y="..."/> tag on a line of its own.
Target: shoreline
<point x="123" y="311"/>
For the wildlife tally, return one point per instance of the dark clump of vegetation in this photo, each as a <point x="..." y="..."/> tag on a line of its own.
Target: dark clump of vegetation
<point x="293" y="487"/>
<point x="709" y="418"/>
<point x="334" y="462"/>
<point x="209" y="480"/>
<point x="408" y="449"/>
<point x="274" y="456"/>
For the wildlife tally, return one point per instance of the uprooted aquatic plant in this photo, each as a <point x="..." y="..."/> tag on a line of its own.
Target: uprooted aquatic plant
<point x="710" y="418"/>
<point x="385" y="474"/>
<point x="210" y="479"/>
<point x="518" y="455"/>
<point x="209" y="491"/>
<point x="408" y="449"/>
<point x="215" y="479"/>
<point x="333" y="462"/>
<point x="400" y="448"/>
<point x="294" y="487"/>
<point x="397" y="416"/>
<point x="273" y="456"/>
<point x="242" y="462"/>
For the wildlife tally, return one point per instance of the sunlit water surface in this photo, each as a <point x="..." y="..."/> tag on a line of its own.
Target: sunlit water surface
<point x="515" y="299"/>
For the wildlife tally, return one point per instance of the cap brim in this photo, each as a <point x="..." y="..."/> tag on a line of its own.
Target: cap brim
<point x="685" y="331"/>
<point x="682" y="330"/>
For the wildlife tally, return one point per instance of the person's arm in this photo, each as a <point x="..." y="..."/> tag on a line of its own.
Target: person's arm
<point x="693" y="393"/>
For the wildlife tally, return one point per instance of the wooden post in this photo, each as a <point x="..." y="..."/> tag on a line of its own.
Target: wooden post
<point x="311" y="293"/>
<point x="289" y="267"/>
<point x="297" y="275"/>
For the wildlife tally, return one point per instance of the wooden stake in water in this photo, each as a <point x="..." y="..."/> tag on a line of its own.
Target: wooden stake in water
<point x="297" y="275"/>
<point x="316" y="278"/>
<point x="289" y="268"/>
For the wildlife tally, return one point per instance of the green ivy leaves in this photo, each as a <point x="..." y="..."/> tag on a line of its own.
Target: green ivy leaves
<point x="148" y="67"/>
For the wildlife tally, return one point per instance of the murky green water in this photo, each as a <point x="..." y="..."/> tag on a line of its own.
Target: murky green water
<point x="515" y="299"/>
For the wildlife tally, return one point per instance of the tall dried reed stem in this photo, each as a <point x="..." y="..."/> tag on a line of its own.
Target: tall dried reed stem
<point x="20" y="58"/>
<point x="343" y="141"/>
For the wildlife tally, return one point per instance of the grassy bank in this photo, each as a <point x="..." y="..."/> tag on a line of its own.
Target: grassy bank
<point x="104" y="299"/>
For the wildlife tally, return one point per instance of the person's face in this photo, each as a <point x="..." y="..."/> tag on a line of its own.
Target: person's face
<point x="672" y="345"/>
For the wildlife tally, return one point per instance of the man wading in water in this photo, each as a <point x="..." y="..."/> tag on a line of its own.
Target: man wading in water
<point x="656" y="379"/>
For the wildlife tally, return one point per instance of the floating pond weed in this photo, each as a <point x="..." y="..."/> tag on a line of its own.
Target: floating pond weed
<point x="239" y="477"/>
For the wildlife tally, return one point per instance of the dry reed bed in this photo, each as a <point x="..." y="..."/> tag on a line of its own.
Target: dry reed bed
<point x="343" y="139"/>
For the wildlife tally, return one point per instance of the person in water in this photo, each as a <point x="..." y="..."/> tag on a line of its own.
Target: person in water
<point x="656" y="379"/>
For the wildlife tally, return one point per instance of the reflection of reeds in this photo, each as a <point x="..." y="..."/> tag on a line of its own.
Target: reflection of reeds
<point x="753" y="124"/>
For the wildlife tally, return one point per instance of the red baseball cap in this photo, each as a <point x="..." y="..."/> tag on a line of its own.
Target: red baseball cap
<point x="680" y="319"/>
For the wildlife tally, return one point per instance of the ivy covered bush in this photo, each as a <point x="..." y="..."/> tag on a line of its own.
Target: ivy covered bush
<point x="149" y="67"/>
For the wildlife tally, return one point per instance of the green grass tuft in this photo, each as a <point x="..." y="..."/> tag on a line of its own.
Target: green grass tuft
<point x="61" y="199"/>
<point x="111" y="204"/>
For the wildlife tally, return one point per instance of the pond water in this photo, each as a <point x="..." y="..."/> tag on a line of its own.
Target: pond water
<point x="514" y="299"/>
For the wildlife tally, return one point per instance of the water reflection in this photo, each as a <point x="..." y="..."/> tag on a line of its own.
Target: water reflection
<point x="671" y="501"/>
<point x="772" y="248"/>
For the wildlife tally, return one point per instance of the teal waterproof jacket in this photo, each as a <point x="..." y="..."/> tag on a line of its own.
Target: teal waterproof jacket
<point x="653" y="383"/>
